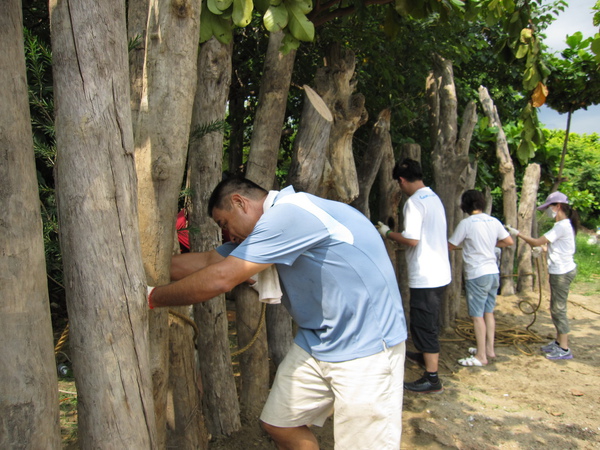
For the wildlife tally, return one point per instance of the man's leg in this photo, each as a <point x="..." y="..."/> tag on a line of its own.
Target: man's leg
<point x="296" y="438"/>
<point x="431" y="361"/>
<point x="490" y="326"/>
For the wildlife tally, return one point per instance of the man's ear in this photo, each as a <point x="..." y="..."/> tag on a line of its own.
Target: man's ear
<point x="238" y="201"/>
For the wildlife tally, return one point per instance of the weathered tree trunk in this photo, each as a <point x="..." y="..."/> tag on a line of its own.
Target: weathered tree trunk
<point x="310" y="145"/>
<point x="29" y="415"/>
<point x="220" y="400"/>
<point x="185" y="421"/>
<point x="96" y="193"/>
<point x="270" y="114"/>
<point x="161" y="141"/>
<point x="450" y="157"/>
<point x="380" y="143"/>
<point x="336" y="84"/>
<point x="527" y="203"/>
<point x="137" y="20"/>
<point x="237" y="111"/>
<point x="262" y="163"/>
<point x="254" y="362"/>
<point x="509" y="189"/>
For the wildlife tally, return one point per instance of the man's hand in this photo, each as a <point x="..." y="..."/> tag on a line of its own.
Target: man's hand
<point x="383" y="229"/>
<point x="513" y="231"/>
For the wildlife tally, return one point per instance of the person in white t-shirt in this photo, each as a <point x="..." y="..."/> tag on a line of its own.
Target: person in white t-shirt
<point x="561" y="267"/>
<point x="479" y="235"/>
<point x="425" y="238"/>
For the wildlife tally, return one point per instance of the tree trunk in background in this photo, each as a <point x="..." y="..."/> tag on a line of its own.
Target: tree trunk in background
<point x="220" y="402"/>
<point x="161" y="141"/>
<point x="310" y="145"/>
<point x="335" y="83"/>
<point x="559" y="176"/>
<point x="380" y="143"/>
<point x="236" y="114"/>
<point x="509" y="190"/>
<point x="254" y="361"/>
<point x="29" y="415"/>
<point x="270" y="113"/>
<point x="96" y="196"/>
<point x="450" y="157"/>
<point x="262" y="164"/>
<point x="137" y="20"/>
<point x="527" y="203"/>
<point x="391" y="205"/>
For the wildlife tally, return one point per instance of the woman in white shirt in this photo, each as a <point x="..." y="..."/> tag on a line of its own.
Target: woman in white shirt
<point x="561" y="267"/>
<point x="479" y="235"/>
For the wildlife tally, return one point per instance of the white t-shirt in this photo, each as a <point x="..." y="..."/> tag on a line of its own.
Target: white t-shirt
<point x="479" y="234"/>
<point x="425" y="221"/>
<point x="561" y="248"/>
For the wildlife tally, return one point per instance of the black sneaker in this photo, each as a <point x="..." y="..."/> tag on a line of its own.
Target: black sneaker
<point x="415" y="357"/>
<point x="424" y="386"/>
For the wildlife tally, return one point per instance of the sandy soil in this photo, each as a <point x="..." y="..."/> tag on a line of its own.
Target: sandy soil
<point x="520" y="400"/>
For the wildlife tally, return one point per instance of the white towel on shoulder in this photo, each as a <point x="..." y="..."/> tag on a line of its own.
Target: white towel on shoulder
<point x="267" y="281"/>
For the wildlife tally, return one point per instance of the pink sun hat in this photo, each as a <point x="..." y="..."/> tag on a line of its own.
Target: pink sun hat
<point x="555" y="197"/>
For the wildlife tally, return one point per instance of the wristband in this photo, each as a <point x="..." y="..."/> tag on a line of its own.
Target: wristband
<point x="150" y="304"/>
<point x="387" y="233"/>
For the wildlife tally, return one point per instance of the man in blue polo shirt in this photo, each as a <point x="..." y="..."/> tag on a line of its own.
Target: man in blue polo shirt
<point x="340" y="288"/>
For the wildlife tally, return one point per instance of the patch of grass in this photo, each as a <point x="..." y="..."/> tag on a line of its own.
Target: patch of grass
<point x="68" y="413"/>
<point x="587" y="257"/>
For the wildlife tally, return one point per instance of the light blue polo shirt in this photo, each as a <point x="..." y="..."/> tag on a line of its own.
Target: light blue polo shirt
<point x="337" y="279"/>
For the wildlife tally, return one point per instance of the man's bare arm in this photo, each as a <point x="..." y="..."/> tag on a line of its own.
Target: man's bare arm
<point x="400" y="239"/>
<point x="188" y="263"/>
<point x="206" y="283"/>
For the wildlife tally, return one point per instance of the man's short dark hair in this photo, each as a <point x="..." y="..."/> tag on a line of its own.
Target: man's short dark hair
<point x="409" y="169"/>
<point x="236" y="185"/>
<point x="472" y="200"/>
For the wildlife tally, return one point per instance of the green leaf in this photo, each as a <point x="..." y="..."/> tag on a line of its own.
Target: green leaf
<point x="300" y="27"/>
<point x="522" y="50"/>
<point x="242" y="12"/>
<point x="305" y="6"/>
<point x="288" y="44"/>
<point x="212" y="7"/>
<point x="222" y="5"/>
<point x="276" y="18"/>
<point x="262" y="5"/>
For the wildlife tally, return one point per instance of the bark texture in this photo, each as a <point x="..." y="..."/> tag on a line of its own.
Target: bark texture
<point x="161" y="141"/>
<point x="335" y="83"/>
<point x="262" y="164"/>
<point x="96" y="194"/>
<point x="450" y="157"/>
<point x="220" y="402"/>
<point x="310" y="145"/>
<point x="380" y="144"/>
<point x="29" y="415"/>
<point x="509" y="189"/>
<point x="527" y="204"/>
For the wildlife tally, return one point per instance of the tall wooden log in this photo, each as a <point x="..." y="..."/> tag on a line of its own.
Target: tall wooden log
<point x="310" y="145"/>
<point x="221" y="407"/>
<point x="509" y="189"/>
<point x="336" y="84"/>
<point x="450" y="157"/>
<point x="380" y="143"/>
<point x="96" y="194"/>
<point x="29" y="414"/>
<point x="526" y="212"/>
<point x="261" y="166"/>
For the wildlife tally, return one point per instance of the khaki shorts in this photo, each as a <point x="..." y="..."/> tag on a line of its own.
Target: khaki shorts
<point x="364" y="395"/>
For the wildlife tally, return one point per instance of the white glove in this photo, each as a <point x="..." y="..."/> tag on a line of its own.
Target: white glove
<point x="150" y="289"/>
<point x="511" y="230"/>
<point x="383" y="229"/>
<point x="536" y="252"/>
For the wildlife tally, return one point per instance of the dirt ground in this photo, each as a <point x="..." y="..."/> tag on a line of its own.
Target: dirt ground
<point x="520" y="400"/>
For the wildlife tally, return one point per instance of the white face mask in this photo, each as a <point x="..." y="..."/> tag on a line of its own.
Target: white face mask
<point x="551" y="213"/>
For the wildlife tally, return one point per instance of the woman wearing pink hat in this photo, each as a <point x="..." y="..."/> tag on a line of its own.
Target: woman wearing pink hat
<point x="561" y="267"/>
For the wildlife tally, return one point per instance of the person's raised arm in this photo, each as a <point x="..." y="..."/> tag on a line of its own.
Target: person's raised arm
<point x="506" y="242"/>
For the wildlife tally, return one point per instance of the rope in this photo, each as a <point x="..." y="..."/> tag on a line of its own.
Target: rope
<point x="187" y="320"/>
<point x="255" y="337"/>
<point x="505" y="335"/>
<point x="62" y="340"/>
